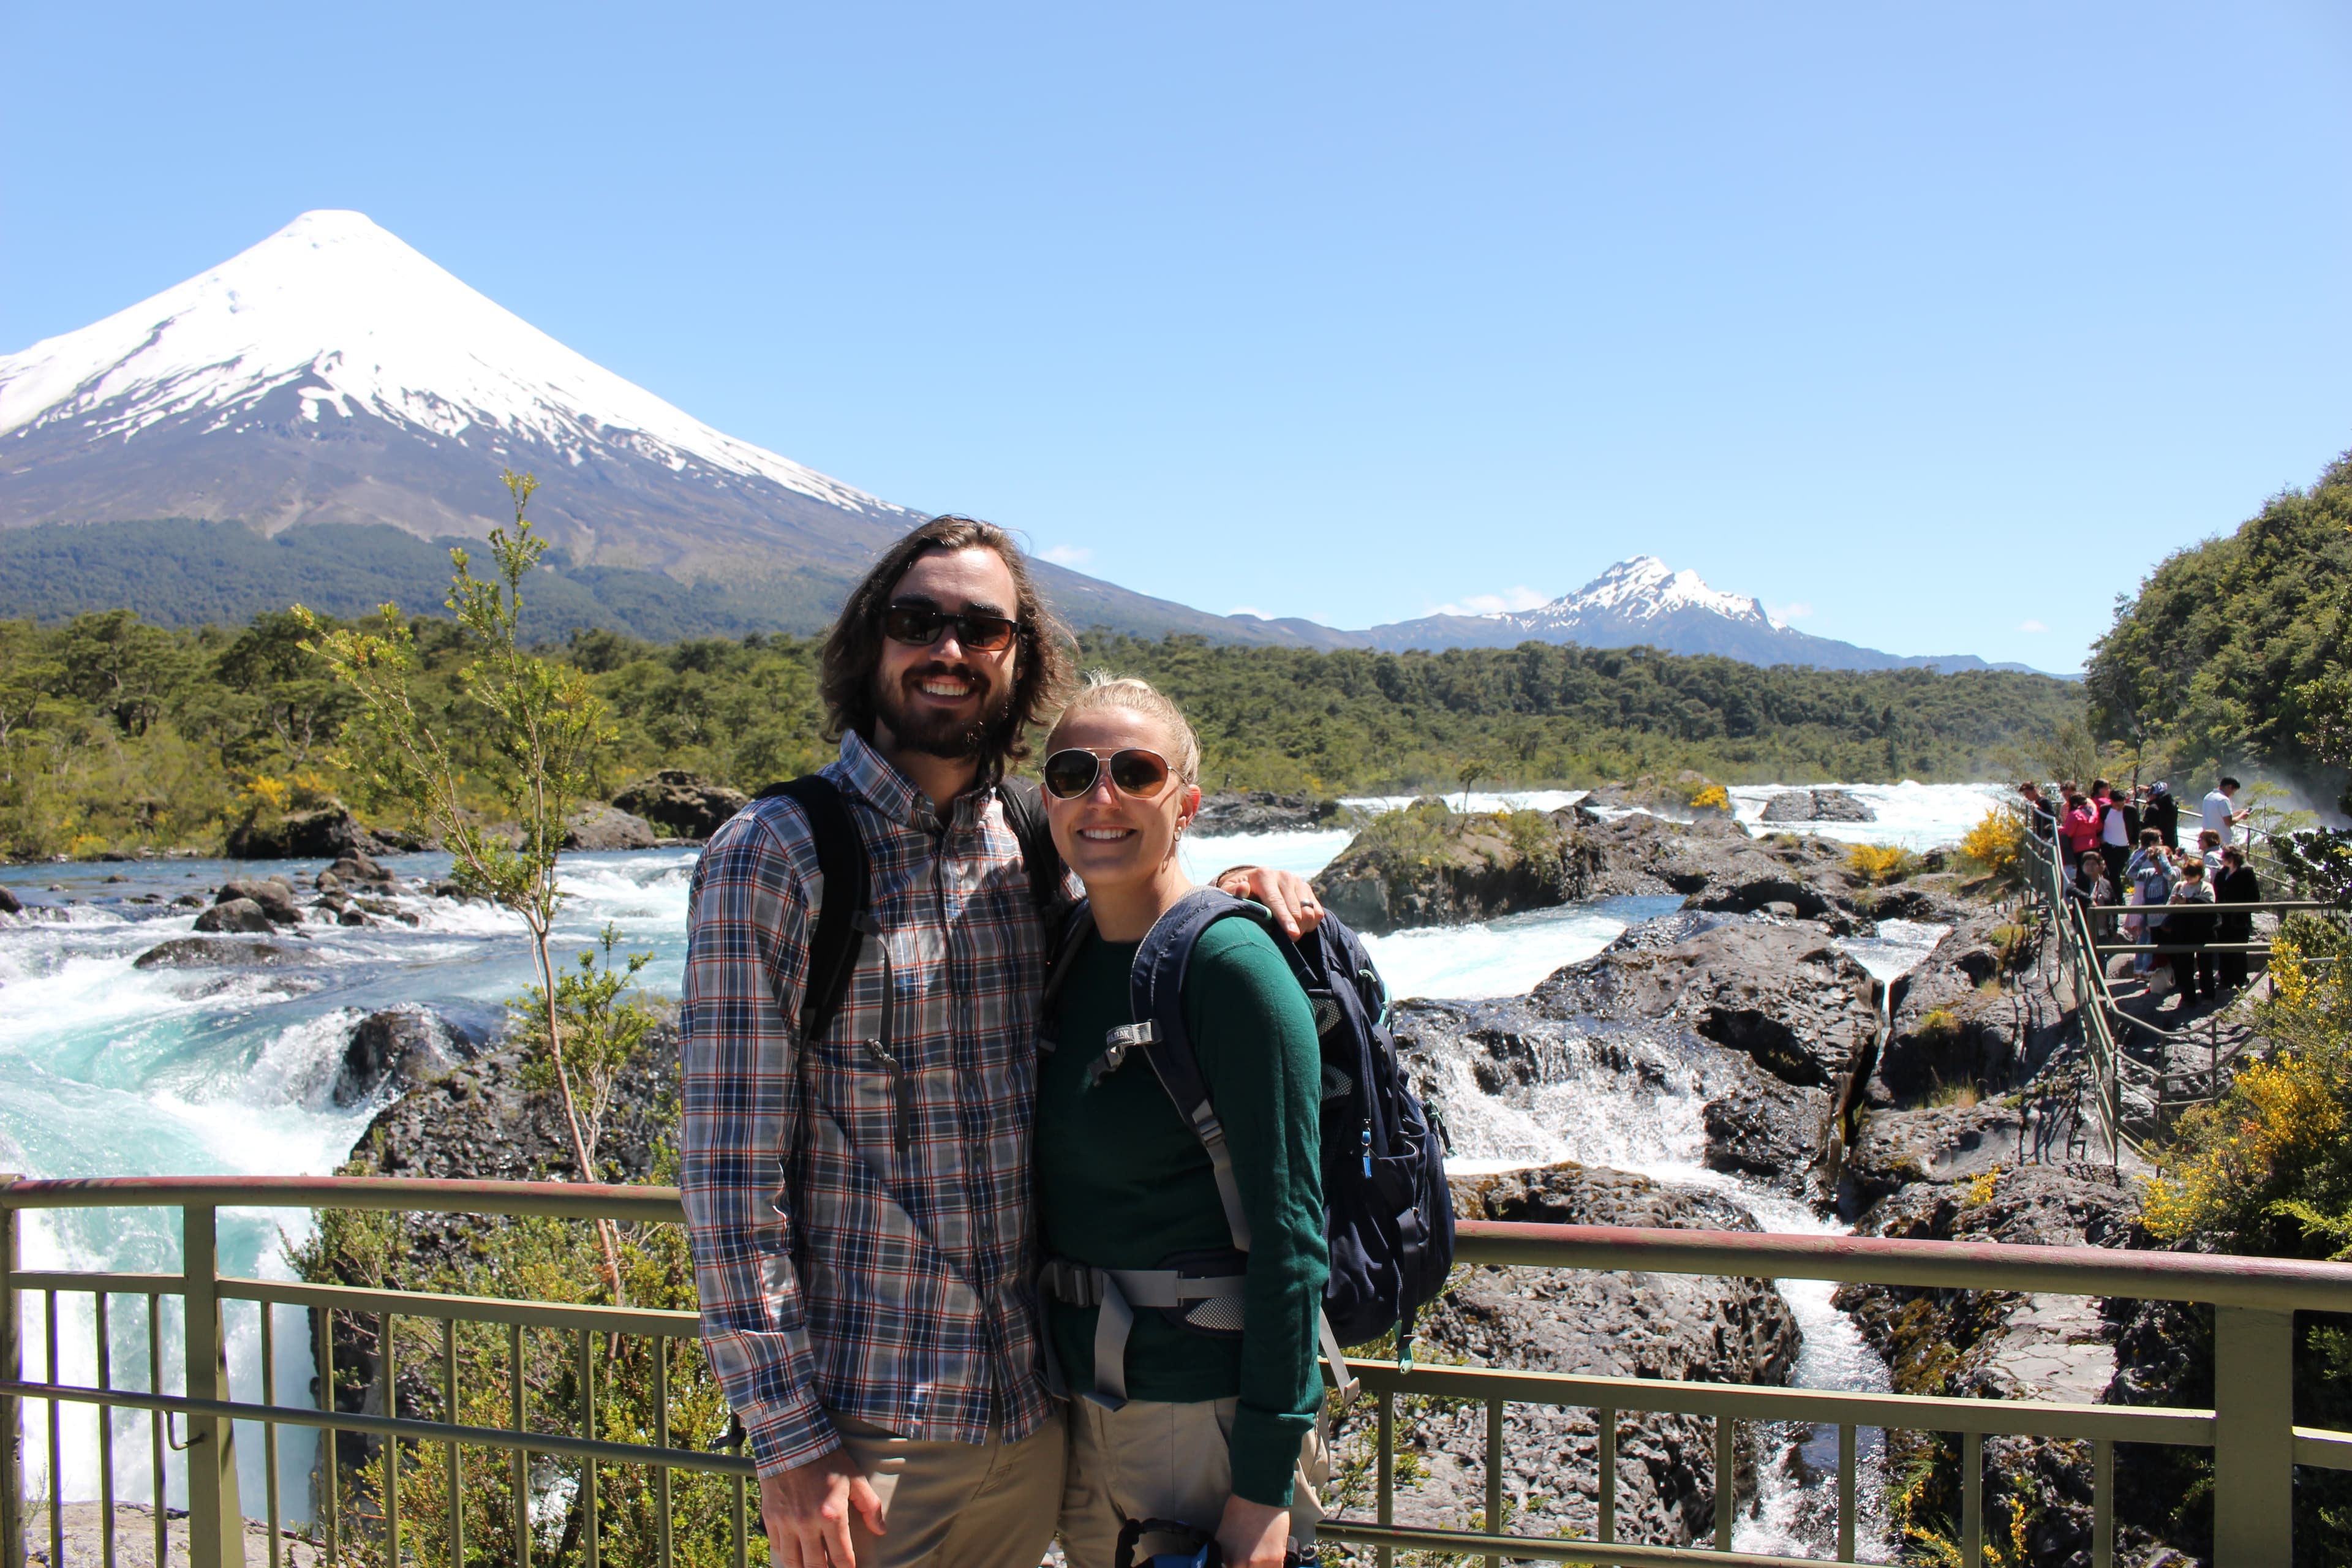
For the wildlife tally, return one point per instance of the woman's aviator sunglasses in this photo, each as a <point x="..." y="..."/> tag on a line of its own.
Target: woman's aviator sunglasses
<point x="919" y="626"/>
<point x="1070" y="774"/>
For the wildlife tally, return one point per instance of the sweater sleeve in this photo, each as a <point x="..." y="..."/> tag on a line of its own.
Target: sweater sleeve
<point x="1253" y="1036"/>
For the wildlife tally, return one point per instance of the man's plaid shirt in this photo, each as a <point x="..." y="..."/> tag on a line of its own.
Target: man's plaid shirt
<point x="848" y="1260"/>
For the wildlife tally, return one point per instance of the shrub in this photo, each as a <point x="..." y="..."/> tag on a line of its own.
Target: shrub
<point x="1996" y="846"/>
<point x="1711" y="797"/>
<point x="1878" y="863"/>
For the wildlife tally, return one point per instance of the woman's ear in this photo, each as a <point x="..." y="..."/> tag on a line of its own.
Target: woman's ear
<point x="1189" y="808"/>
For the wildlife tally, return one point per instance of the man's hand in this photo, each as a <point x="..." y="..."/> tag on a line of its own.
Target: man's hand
<point x="807" y="1512"/>
<point x="1289" y="896"/>
<point x="1253" y="1534"/>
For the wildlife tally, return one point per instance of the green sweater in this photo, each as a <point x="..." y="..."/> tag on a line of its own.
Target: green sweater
<point x="1124" y="1182"/>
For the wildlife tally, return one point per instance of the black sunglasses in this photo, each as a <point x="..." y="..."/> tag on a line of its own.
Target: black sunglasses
<point x="1070" y="774"/>
<point x="919" y="626"/>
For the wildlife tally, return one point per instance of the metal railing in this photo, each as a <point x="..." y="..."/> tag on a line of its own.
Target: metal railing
<point x="2250" y="1430"/>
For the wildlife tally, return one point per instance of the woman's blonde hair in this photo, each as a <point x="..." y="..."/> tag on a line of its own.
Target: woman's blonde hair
<point x="1103" y="689"/>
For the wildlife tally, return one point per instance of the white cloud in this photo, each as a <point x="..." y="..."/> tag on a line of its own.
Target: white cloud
<point x="1065" y="554"/>
<point x="1520" y="598"/>
<point x="1789" y="612"/>
<point x="2031" y="626"/>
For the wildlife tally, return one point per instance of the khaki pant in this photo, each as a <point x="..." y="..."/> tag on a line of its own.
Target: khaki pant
<point x="1154" y="1460"/>
<point x="957" y="1505"/>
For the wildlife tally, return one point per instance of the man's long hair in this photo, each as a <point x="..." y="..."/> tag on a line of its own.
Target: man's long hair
<point x="852" y="649"/>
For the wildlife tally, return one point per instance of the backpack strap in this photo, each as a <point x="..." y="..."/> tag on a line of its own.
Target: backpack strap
<point x="1156" y="992"/>
<point x="1024" y="813"/>
<point x="840" y="932"/>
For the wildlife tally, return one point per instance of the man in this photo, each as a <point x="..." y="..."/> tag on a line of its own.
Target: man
<point x="2041" y="816"/>
<point x="859" y="1200"/>
<point x="2219" y="817"/>
<point x="2118" y="826"/>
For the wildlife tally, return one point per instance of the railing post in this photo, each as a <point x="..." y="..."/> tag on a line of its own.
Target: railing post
<point x="2253" y="1437"/>
<point x="216" y="1516"/>
<point x="12" y="1409"/>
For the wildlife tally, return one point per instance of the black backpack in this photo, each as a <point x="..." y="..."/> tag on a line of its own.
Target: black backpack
<point x="1387" y="1215"/>
<point x="840" y="934"/>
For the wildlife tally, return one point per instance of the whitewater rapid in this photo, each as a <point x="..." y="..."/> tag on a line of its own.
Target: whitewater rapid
<point x="107" y="1069"/>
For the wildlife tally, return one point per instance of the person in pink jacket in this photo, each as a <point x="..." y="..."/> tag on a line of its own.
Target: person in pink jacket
<point x="2081" y="828"/>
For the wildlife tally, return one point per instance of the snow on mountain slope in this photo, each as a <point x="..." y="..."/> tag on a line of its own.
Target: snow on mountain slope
<point x="344" y="315"/>
<point x="1643" y="588"/>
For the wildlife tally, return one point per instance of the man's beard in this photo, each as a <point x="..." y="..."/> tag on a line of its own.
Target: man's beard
<point x="944" y="735"/>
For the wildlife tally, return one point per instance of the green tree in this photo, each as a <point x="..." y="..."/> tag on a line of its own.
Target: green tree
<point x="543" y="727"/>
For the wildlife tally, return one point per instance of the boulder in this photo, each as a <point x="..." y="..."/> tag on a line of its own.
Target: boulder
<point x="234" y="915"/>
<point x="325" y="833"/>
<point x="1426" y="865"/>
<point x="396" y="1047"/>
<point x="1893" y="1148"/>
<point x="1575" y="1322"/>
<point x="1955" y="1025"/>
<point x="1261" y="811"/>
<point x="685" y="804"/>
<point x="9" y="903"/>
<point x="352" y="870"/>
<point x="188" y="901"/>
<point x="1688" y="796"/>
<point x="597" y="827"/>
<point x="1816" y="805"/>
<point x="274" y="895"/>
<point x="219" y="952"/>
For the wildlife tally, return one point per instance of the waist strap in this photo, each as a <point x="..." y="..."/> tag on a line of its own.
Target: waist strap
<point x="1116" y="1293"/>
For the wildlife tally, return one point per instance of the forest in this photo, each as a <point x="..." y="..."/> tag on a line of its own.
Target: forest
<point x="117" y="734"/>
<point x="2233" y="654"/>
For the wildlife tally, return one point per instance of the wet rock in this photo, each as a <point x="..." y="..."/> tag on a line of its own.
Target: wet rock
<point x="323" y="835"/>
<point x="10" y="904"/>
<point x="274" y="896"/>
<point x="329" y="886"/>
<point x="684" y="804"/>
<point x="397" y="1047"/>
<point x="1570" y="1321"/>
<point x="1767" y="1130"/>
<point x="1784" y="995"/>
<point x="1688" y="796"/>
<point x="1261" y="811"/>
<point x="1893" y="1148"/>
<point x="597" y="828"/>
<point x="188" y="901"/>
<point x="349" y="916"/>
<point x="234" y="915"/>
<point x="355" y="870"/>
<point x="219" y="952"/>
<point x="1816" y="805"/>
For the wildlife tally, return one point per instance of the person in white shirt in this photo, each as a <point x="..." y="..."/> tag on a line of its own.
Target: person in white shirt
<point x="2219" y="816"/>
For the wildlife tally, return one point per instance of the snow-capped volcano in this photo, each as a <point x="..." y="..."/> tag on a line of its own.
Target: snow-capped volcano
<point x="333" y="373"/>
<point x="1644" y="602"/>
<point x="1639" y="590"/>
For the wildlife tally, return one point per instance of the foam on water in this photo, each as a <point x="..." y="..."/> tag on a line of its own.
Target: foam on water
<point x="1914" y="815"/>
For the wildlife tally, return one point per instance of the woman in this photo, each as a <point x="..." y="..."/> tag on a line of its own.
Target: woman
<point x="2237" y="885"/>
<point x="2191" y="970"/>
<point x="1216" y="1431"/>
<point x="2089" y="886"/>
<point x="2081" y="828"/>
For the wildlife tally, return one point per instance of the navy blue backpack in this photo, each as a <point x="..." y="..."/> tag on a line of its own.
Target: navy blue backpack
<point x="1388" y="1217"/>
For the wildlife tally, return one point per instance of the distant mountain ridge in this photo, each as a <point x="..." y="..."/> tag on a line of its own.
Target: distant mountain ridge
<point x="351" y="404"/>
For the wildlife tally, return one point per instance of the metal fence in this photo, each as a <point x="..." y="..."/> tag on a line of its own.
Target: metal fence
<point x="2249" y="1430"/>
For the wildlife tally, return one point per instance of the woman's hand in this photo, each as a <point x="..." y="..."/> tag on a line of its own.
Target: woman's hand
<point x="1290" y="897"/>
<point x="1253" y="1534"/>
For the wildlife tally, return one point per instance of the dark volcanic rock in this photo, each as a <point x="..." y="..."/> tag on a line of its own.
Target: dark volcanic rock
<point x="1783" y="993"/>
<point x="234" y="915"/>
<point x="1893" y="1149"/>
<point x="1816" y="805"/>
<point x="398" y="1048"/>
<point x="593" y="827"/>
<point x="9" y="903"/>
<point x="1428" y="866"/>
<point x="1767" y="1130"/>
<point x="1953" y="1028"/>
<point x="274" y="896"/>
<point x="1260" y="811"/>
<point x="1677" y="798"/>
<point x="352" y="870"/>
<point x="219" y="952"/>
<point x="1571" y="1321"/>
<point x="685" y="804"/>
<point x="323" y="834"/>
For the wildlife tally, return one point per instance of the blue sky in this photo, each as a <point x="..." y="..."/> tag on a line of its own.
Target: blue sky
<point x="1933" y="325"/>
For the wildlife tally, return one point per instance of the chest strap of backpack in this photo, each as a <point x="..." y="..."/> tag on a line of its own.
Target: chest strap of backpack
<point x="1156" y="992"/>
